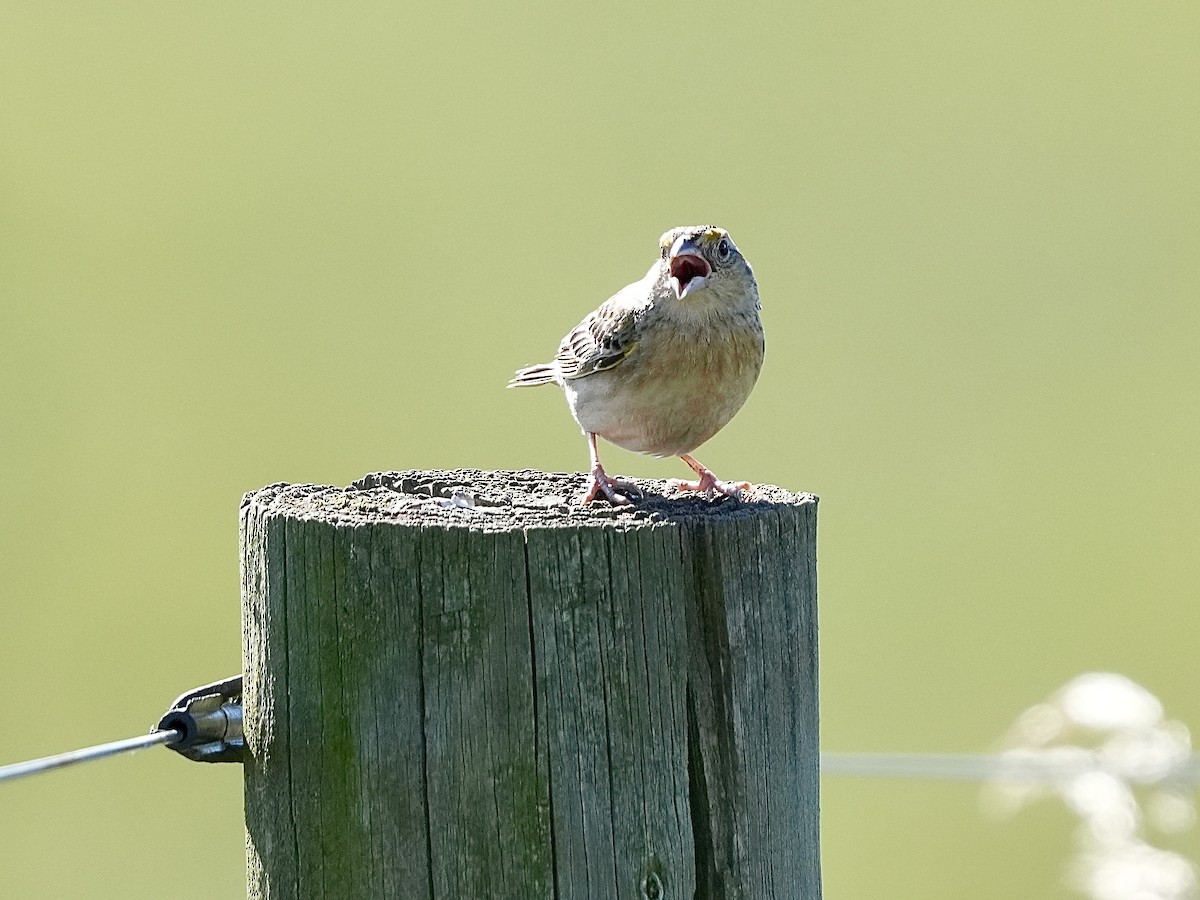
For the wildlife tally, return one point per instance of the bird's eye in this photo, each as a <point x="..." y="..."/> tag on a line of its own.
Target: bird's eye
<point x="723" y="248"/>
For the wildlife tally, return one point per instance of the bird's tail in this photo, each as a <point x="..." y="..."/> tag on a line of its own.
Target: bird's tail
<point x="543" y="373"/>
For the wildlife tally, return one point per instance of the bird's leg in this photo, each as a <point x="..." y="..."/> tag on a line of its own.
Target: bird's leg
<point x="600" y="483"/>
<point x="708" y="481"/>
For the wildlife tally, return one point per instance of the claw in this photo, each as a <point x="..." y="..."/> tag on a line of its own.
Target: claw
<point x="599" y="483"/>
<point x="709" y="482"/>
<point x="732" y="489"/>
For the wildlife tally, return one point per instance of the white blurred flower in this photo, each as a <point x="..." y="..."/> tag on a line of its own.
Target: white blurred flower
<point x="1135" y="871"/>
<point x="1104" y="701"/>
<point x="1171" y="812"/>
<point x="1104" y="804"/>
<point x="1102" y="745"/>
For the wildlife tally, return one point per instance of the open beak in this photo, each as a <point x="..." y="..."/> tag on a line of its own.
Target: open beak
<point x="688" y="268"/>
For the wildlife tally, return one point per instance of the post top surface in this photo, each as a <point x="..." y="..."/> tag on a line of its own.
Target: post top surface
<point x="505" y="500"/>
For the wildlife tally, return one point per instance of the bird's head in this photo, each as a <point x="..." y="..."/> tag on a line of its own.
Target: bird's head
<point x="703" y="258"/>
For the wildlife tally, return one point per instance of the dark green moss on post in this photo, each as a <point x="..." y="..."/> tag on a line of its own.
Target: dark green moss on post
<point x="463" y="684"/>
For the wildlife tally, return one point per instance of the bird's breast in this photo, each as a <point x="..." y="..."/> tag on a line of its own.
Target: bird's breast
<point x="675" y="391"/>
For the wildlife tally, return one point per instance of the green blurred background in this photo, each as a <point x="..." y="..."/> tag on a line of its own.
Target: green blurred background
<point x="247" y="243"/>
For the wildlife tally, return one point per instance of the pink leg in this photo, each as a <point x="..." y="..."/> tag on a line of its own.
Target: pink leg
<point x="600" y="483"/>
<point x="708" y="481"/>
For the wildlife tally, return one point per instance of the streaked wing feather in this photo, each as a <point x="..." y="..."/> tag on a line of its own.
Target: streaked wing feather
<point x="599" y="342"/>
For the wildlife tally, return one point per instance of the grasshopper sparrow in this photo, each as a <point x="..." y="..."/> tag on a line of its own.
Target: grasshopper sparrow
<point x="663" y="364"/>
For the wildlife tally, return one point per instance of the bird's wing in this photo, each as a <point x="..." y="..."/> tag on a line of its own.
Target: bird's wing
<point x="601" y="341"/>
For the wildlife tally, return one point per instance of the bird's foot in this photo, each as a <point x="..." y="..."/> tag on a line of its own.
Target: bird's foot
<point x="616" y="492"/>
<point x="709" y="482"/>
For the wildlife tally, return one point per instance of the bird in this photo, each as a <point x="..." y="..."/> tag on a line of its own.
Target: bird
<point x="664" y="364"/>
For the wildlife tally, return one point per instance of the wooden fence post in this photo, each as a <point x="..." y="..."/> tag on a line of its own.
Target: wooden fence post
<point x="463" y="684"/>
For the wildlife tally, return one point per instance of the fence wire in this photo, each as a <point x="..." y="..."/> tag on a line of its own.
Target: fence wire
<point x="1046" y="767"/>
<point x="87" y="754"/>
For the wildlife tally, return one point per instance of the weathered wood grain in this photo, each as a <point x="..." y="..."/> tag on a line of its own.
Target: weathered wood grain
<point x="464" y="684"/>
